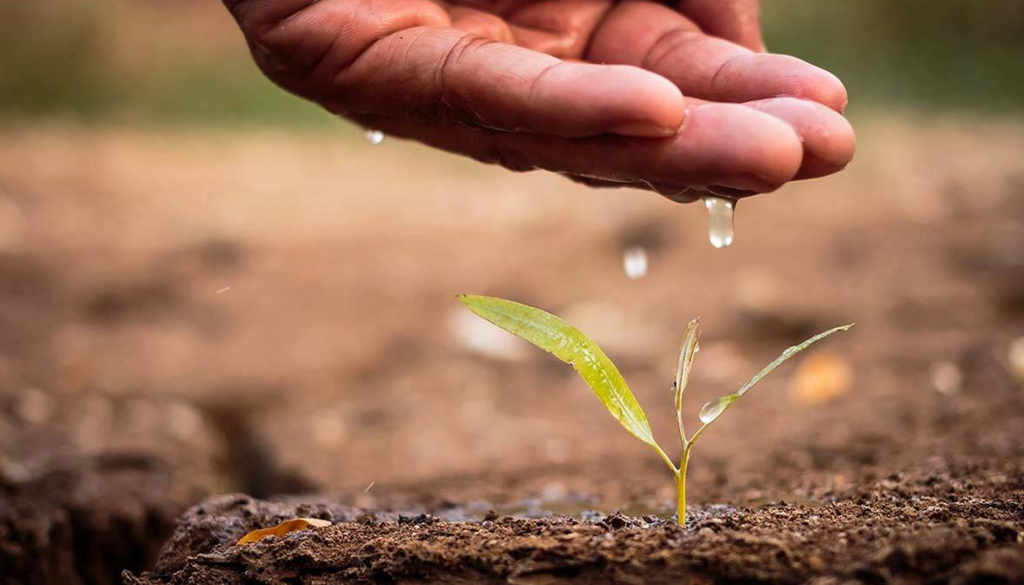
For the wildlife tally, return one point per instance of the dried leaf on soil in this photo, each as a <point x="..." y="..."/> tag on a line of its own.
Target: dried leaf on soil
<point x="283" y="528"/>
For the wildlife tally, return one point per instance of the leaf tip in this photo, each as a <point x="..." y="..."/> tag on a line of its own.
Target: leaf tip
<point x="468" y="299"/>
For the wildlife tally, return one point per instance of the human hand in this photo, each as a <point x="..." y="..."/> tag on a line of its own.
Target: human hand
<point x="592" y="89"/>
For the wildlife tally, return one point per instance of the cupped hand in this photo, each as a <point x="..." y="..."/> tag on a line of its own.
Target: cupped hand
<point x="593" y="89"/>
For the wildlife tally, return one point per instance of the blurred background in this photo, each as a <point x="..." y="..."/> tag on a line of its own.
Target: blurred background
<point x="180" y="62"/>
<point x="207" y="285"/>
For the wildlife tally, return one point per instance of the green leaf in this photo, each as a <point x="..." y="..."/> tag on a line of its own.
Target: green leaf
<point x="790" y="352"/>
<point x="686" y="354"/>
<point x="570" y="345"/>
<point x="714" y="409"/>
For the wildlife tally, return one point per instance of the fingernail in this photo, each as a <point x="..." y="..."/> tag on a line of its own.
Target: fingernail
<point x="643" y="130"/>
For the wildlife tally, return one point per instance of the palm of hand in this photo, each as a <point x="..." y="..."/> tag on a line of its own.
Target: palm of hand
<point x="589" y="88"/>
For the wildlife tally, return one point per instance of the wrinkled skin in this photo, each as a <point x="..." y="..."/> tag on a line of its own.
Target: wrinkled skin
<point x="592" y="89"/>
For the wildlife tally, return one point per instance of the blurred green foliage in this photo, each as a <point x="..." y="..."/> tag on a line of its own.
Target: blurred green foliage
<point x="48" y="60"/>
<point x="71" y="59"/>
<point x="951" y="54"/>
<point x="62" y="58"/>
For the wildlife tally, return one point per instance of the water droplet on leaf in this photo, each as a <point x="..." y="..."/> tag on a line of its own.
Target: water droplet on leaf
<point x="715" y="408"/>
<point x="721" y="213"/>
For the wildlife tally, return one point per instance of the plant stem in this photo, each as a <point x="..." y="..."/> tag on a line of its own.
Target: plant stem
<point x="681" y="488"/>
<point x="664" y="457"/>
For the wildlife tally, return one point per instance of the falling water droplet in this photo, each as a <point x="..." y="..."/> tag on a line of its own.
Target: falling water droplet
<point x="715" y="408"/>
<point x="721" y="212"/>
<point x="634" y="262"/>
<point x="374" y="137"/>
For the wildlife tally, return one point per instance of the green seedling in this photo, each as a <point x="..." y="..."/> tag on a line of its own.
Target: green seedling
<point x="570" y="345"/>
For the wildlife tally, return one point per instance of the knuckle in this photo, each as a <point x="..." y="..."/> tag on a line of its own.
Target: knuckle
<point x="670" y="43"/>
<point x="453" y="104"/>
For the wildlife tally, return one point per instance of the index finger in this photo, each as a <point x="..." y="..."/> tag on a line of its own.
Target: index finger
<point x="402" y="59"/>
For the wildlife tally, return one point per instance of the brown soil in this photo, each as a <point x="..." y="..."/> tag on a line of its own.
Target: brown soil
<point x="954" y="512"/>
<point x="184" y="315"/>
<point x="897" y="530"/>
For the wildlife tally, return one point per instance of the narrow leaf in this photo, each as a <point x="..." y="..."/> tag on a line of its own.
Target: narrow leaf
<point x="714" y="409"/>
<point x="686" y="354"/>
<point x="570" y="345"/>
<point x="790" y="352"/>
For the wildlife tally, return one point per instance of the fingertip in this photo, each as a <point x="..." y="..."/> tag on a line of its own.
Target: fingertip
<point x="768" y="75"/>
<point x="641" y="104"/>
<point x="813" y="83"/>
<point x="757" y="152"/>
<point x="826" y="89"/>
<point x="776" y="157"/>
<point x="829" y="140"/>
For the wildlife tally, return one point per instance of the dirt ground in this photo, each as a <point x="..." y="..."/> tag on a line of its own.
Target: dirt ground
<point x="187" y="314"/>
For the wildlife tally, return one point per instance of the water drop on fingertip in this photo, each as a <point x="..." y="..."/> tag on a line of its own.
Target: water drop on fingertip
<point x="374" y="137"/>
<point x="721" y="214"/>
<point x="634" y="262"/>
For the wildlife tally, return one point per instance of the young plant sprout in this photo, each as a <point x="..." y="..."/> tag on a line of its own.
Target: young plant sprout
<point x="570" y="345"/>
